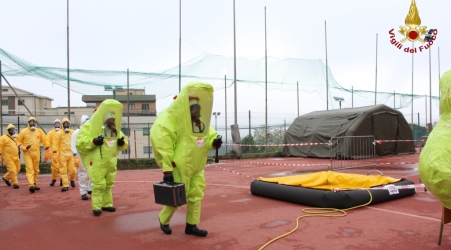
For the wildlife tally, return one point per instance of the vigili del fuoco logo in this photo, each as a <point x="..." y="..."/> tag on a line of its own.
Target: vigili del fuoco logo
<point x="413" y="32"/>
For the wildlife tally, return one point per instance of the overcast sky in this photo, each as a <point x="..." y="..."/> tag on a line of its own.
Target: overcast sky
<point x="143" y="35"/>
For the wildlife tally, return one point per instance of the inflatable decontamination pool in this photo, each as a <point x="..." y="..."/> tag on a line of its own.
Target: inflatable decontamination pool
<point x="331" y="189"/>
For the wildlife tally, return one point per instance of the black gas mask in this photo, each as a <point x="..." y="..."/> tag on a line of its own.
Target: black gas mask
<point x="32" y="124"/>
<point x="12" y="132"/>
<point x="66" y="126"/>
<point x="57" y="126"/>
<point x="195" y="118"/>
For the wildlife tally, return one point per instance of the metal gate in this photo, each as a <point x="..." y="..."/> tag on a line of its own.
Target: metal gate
<point x="353" y="152"/>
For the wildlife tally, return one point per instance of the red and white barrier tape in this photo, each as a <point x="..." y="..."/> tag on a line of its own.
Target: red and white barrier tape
<point x="277" y="145"/>
<point x="278" y="164"/>
<point x="232" y="171"/>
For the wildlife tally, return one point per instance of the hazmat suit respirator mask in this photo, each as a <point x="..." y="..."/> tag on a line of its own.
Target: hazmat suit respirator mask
<point x="66" y="126"/>
<point x="199" y="126"/>
<point x="12" y="132"/>
<point x="110" y="128"/>
<point x="32" y="124"/>
<point x="57" y="126"/>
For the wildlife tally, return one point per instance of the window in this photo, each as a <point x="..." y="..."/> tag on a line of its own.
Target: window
<point x="146" y="131"/>
<point x="70" y="113"/>
<point x="131" y="106"/>
<point x="4" y="90"/>
<point x="147" y="149"/>
<point x="125" y="152"/>
<point x="5" y="102"/>
<point x="20" y="102"/>
<point x="145" y="106"/>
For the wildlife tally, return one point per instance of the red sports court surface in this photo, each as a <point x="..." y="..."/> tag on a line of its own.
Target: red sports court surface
<point x="234" y="218"/>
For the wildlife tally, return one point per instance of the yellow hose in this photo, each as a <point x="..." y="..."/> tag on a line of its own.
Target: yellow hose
<point x="318" y="212"/>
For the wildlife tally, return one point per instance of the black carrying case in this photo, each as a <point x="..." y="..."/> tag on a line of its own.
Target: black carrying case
<point x="169" y="194"/>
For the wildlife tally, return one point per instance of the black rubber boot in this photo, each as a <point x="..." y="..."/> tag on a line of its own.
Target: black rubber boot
<point x="15" y="186"/>
<point x="64" y="189"/>
<point x="72" y="183"/>
<point x="109" y="209"/>
<point x="96" y="212"/>
<point x="6" y="181"/>
<point x="31" y="189"/>
<point x="84" y="197"/>
<point x="89" y="192"/>
<point x="61" y="183"/>
<point x="193" y="230"/>
<point x="52" y="183"/>
<point x="36" y="187"/>
<point x="166" y="228"/>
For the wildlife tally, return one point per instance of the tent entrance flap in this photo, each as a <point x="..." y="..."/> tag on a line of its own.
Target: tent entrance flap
<point x="385" y="128"/>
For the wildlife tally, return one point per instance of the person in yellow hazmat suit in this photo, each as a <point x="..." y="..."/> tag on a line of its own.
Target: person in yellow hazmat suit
<point x="10" y="155"/>
<point x="62" y="148"/>
<point x="434" y="165"/>
<point x="98" y="143"/>
<point x="51" y="137"/>
<point x="29" y="140"/>
<point x="83" y="179"/>
<point x="181" y="138"/>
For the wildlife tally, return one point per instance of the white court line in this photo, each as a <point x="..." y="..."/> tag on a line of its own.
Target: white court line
<point x="406" y="214"/>
<point x="227" y="185"/>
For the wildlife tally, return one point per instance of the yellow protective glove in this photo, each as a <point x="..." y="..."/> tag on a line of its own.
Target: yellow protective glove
<point x="47" y="155"/>
<point x="76" y="162"/>
<point x="24" y="149"/>
<point x="55" y="158"/>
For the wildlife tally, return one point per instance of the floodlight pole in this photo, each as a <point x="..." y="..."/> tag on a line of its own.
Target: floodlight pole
<point x="327" y="74"/>
<point x="234" y="64"/>
<point x="375" y="83"/>
<point x="68" y="74"/>
<point x="180" y="45"/>
<point x="266" y="90"/>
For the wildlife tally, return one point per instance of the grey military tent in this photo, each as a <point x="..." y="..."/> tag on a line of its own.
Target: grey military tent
<point x="380" y="121"/>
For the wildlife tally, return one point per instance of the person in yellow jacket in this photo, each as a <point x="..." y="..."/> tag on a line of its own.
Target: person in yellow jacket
<point x="65" y="159"/>
<point x="10" y="154"/>
<point x="51" y="137"/>
<point x="98" y="143"/>
<point x="29" y="140"/>
<point x="181" y="138"/>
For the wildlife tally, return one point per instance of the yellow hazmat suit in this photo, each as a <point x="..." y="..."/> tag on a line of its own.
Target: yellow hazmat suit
<point x="51" y="138"/>
<point x="434" y="165"/>
<point x="61" y="145"/>
<point x="98" y="143"/>
<point x="10" y="154"/>
<point x="180" y="144"/>
<point x="29" y="140"/>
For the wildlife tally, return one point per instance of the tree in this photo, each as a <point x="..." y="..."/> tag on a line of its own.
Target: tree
<point x="275" y="136"/>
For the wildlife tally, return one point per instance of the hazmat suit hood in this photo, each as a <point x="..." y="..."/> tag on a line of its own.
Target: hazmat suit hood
<point x="109" y="108"/>
<point x="57" y="121"/>
<point x="194" y="95"/>
<point x="10" y="126"/>
<point x="176" y="138"/>
<point x="434" y="165"/>
<point x="83" y="119"/>
<point x="32" y="128"/>
<point x="66" y="128"/>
